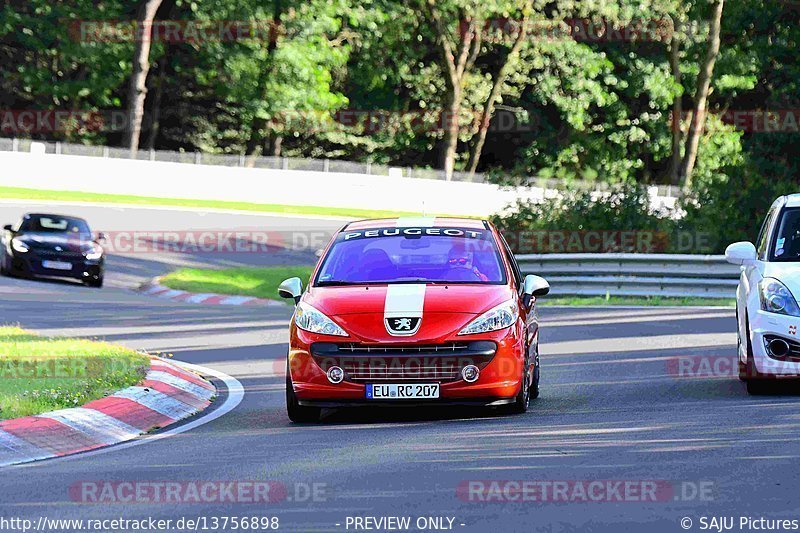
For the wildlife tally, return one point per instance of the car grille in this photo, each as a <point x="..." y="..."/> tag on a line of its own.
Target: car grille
<point x="403" y="363"/>
<point x="66" y="255"/>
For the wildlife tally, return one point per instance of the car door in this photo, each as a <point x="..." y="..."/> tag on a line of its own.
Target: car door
<point x="530" y="315"/>
<point x="752" y="274"/>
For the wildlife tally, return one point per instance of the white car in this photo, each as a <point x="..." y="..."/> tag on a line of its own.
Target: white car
<point x="767" y="311"/>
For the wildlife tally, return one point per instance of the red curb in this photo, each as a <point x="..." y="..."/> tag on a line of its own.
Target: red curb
<point x="180" y="395"/>
<point x="188" y="376"/>
<point x="214" y="300"/>
<point x="50" y="435"/>
<point x="134" y="414"/>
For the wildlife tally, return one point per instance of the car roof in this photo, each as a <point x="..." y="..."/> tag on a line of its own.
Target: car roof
<point x="793" y="200"/>
<point x="410" y="222"/>
<point x="54" y="215"/>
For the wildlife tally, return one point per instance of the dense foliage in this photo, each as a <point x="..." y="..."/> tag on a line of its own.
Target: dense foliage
<point x="575" y="89"/>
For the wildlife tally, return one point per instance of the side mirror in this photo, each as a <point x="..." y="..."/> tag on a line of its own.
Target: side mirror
<point x="8" y="227"/>
<point x="101" y="237"/>
<point x="533" y="286"/>
<point x="741" y="253"/>
<point x="291" y="288"/>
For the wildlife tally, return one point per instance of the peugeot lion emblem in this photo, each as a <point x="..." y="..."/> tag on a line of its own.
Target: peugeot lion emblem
<point x="403" y="325"/>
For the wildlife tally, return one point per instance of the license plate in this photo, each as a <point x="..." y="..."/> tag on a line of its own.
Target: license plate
<point x="57" y="265"/>
<point x="410" y="391"/>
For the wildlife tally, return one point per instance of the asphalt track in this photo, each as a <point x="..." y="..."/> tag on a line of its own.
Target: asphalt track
<point x="613" y="407"/>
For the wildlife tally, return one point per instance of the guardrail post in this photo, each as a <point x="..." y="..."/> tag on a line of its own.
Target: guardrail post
<point x="58" y="147"/>
<point x="369" y="168"/>
<point x="326" y="165"/>
<point x="152" y="155"/>
<point x="285" y="163"/>
<point x="106" y="151"/>
<point x="197" y="158"/>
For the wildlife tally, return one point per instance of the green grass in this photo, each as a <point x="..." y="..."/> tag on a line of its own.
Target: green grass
<point x="261" y="282"/>
<point x="13" y="193"/>
<point x="39" y="374"/>
<point x="654" y="301"/>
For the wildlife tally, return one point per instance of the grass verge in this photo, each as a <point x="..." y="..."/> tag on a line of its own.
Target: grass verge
<point x="40" y="374"/>
<point x="19" y="193"/>
<point x="653" y="301"/>
<point x="261" y="282"/>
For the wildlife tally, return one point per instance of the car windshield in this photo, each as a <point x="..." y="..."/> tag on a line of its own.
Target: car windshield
<point x="53" y="224"/>
<point x="786" y="242"/>
<point x="412" y="255"/>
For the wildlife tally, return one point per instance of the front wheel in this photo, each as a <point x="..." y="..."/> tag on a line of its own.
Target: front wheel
<point x="298" y="413"/>
<point x="523" y="398"/>
<point x="96" y="283"/>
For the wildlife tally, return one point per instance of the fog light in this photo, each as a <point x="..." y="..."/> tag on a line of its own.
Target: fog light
<point x="335" y="374"/>
<point x="470" y="373"/>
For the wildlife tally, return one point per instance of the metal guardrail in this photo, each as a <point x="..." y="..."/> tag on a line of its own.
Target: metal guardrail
<point x="299" y="163"/>
<point x="705" y="276"/>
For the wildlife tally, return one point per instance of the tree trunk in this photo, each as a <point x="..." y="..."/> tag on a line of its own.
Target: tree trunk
<point x="155" y="112"/>
<point x="677" y="107"/>
<point x="457" y="60"/>
<point x="254" y="143"/>
<point x="137" y="90"/>
<point x="701" y="97"/>
<point x="497" y="88"/>
<point x="450" y="122"/>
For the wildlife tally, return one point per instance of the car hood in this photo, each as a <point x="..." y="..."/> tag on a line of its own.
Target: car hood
<point x="443" y="309"/>
<point x="53" y="241"/>
<point x="786" y="273"/>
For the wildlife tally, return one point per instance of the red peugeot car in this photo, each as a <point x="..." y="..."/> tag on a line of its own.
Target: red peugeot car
<point x="413" y="311"/>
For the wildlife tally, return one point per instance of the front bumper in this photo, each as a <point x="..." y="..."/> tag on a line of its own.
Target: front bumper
<point x="499" y="381"/>
<point x="32" y="265"/>
<point x="772" y="325"/>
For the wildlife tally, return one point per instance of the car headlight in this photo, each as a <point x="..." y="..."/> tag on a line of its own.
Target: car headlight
<point x="94" y="253"/>
<point x="776" y="298"/>
<point x="310" y="319"/>
<point x="499" y="317"/>
<point x="19" y="246"/>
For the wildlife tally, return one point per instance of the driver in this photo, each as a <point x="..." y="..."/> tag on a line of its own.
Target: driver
<point x="461" y="266"/>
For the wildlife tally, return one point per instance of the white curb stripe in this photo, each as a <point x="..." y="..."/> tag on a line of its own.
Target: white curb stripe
<point x="157" y="401"/>
<point x="235" y="300"/>
<point x="182" y="384"/>
<point x="15" y="450"/>
<point x="232" y="400"/>
<point x="198" y="298"/>
<point x="99" y="426"/>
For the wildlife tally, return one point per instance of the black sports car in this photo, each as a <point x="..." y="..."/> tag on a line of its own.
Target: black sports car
<point x="53" y="246"/>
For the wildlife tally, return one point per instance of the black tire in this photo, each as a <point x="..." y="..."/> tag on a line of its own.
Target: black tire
<point x="742" y="366"/>
<point x="534" y="389"/>
<point x="755" y="383"/>
<point x="522" y="400"/>
<point x="96" y="283"/>
<point x="298" y="413"/>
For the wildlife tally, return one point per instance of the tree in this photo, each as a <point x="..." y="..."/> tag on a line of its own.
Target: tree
<point x="137" y="88"/>
<point x="698" y="118"/>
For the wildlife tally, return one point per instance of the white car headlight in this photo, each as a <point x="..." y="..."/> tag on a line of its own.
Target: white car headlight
<point x="94" y="253"/>
<point x="777" y="298"/>
<point x="19" y="246"/>
<point x="499" y="317"/>
<point x="310" y="319"/>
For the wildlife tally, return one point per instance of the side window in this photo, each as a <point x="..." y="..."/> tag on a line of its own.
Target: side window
<point x="763" y="237"/>
<point x="511" y="261"/>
